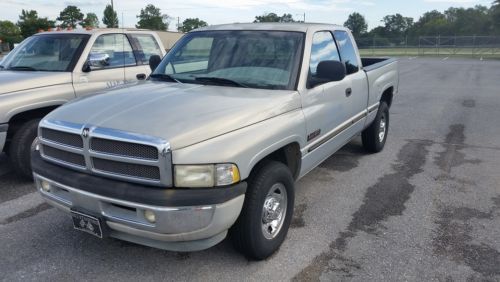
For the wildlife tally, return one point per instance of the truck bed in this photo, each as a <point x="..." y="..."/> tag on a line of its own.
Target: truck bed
<point x="382" y="74"/>
<point x="375" y="63"/>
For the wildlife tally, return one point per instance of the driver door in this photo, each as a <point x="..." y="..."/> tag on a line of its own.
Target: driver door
<point x="108" y="59"/>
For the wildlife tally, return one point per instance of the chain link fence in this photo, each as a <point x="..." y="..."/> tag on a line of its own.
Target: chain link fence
<point x="475" y="46"/>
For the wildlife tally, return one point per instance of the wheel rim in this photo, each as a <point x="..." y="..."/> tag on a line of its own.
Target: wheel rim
<point x="382" y="129"/>
<point x="274" y="211"/>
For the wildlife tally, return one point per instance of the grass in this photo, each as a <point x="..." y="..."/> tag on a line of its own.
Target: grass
<point x="493" y="53"/>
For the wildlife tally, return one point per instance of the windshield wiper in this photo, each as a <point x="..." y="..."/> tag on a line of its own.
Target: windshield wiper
<point x="23" y="68"/>
<point x="164" y="76"/>
<point x="220" y="80"/>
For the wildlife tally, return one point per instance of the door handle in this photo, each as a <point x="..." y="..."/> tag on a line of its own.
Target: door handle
<point x="348" y="92"/>
<point x="141" y="76"/>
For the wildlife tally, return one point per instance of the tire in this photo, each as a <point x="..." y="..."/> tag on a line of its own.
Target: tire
<point x="21" y="147"/>
<point x="373" y="141"/>
<point x="251" y="235"/>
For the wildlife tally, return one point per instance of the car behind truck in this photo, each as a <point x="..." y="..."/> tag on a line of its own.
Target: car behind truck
<point x="213" y="144"/>
<point x="51" y="68"/>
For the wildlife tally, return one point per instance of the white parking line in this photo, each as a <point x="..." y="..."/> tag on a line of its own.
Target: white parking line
<point x="446" y="58"/>
<point x="19" y="205"/>
<point x="412" y="58"/>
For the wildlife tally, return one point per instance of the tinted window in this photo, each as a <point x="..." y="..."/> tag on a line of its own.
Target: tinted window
<point x="347" y="51"/>
<point x="147" y="47"/>
<point x="256" y="59"/>
<point x="323" y="49"/>
<point x="111" y="51"/>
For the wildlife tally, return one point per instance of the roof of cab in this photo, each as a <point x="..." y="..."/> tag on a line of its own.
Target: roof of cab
<point x="97" y="31"/>
<point x="297" y="27"/>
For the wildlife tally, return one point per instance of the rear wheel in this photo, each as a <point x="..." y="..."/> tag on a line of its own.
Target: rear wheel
<point x="375" y="135"/>
<point x="267" y="212"/>
<point x="21" y="146"/>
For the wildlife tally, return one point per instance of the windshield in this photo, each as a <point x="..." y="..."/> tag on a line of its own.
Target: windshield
<point x="256" y="59"/>
<point x="52" y="52"/>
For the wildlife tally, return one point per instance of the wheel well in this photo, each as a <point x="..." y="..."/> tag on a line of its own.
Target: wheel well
<point x="387" y="96"/>
<point x="289" y="155"/>
<point x="19" y="119"/>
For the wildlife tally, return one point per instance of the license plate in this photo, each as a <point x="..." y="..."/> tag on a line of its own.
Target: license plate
<point x="87" y="223"/>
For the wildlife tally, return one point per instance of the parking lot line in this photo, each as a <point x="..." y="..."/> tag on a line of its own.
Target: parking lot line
<point x="14" y="207"/>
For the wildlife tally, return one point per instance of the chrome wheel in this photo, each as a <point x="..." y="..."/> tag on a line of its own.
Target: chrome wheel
<point x="274" y="211"/>
<point x="382" y="129"/>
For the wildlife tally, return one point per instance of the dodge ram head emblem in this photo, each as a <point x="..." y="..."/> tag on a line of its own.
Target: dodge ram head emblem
<point x="85" y="132"/>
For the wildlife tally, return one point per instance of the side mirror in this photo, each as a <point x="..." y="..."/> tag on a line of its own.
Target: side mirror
<point x="96" y="61"/>
<point x="331" y="70"/>
<point x="154" y="61"/>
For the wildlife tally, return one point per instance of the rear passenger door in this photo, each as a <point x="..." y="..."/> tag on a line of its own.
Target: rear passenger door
<point x="108" y="59"/>
<point x="145" y="46"/>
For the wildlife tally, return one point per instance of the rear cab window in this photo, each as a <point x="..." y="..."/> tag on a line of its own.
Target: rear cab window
<point x="146" y="46"/>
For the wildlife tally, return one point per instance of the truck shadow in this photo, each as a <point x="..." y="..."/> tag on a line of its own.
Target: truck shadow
<point x="346" y="158"/>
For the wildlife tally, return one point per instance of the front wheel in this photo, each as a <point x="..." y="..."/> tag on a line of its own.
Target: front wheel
<point x="21" y="147"/>
<point x="267" y="212"/>
<point x="375" y="135"/>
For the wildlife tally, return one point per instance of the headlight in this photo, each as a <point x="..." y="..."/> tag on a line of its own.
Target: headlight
<point x="195" y="176"/>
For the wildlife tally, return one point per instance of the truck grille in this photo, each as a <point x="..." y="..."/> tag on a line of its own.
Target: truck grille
<point x="135" y="170"/>
<point x="124" y="149"/>
<point x="70" y="139"/>
<point x="64" y="156"/>
<point x="106" y="152"/>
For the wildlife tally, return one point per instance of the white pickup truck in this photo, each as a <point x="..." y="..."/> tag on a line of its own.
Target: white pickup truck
<point x="214" y="142"/>
<point x="51" y="68"/>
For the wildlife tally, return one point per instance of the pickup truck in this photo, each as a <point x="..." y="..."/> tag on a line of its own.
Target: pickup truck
<point x="213" y="143"/>
<point x="50" y="68"/>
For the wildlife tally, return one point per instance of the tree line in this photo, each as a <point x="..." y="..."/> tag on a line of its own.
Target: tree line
<point x="29" y="23"/>
<point x="479" y="20"/>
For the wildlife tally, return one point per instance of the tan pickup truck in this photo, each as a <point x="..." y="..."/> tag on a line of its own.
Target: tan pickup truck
<point x="51" y="68"/>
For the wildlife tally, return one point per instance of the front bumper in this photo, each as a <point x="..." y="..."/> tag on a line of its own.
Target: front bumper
<point x="190" y="226"/>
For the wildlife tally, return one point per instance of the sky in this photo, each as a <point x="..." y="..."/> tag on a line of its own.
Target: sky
<point x="219" y="12"/>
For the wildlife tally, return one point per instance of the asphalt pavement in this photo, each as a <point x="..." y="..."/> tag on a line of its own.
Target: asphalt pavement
<point x="427" y="208"/>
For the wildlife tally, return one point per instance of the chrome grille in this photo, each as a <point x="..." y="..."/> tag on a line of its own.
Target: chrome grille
<point x="64" y="156"/>
<point x="111" y="153"/>
<point x="70" y="139"/>
<point x="124" y="149"/>
<point x="127" y="169"/>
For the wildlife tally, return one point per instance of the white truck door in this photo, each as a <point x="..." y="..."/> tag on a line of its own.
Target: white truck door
<point x="145" y="46"/>
<point x="109" y="58"/>
<point x="326" y="106"/>
<point x="356" y="101"/>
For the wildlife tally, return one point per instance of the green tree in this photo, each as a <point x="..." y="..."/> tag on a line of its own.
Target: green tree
<point x="495" y="16"/>
<point x="431" y="23"/>
<point x="10" y="33"/>
<point x="151" y="18"/>
<point x="192" y="23"/>
<point x="70" y="17"/>
<point x="30" y="23"/>
<point x="397" y="25"/>
<point x="357" y="24"/>
<point x="90" y="20"/>
<point x="272" y="17"/>
<point x="110" y="18"/>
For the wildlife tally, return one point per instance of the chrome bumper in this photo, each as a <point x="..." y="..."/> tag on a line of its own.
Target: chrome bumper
<point x="187" y="228"/>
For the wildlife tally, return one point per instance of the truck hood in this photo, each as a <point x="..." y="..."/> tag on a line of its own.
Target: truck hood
<point x="12" y="81"/>
<point x="182" y="114"/>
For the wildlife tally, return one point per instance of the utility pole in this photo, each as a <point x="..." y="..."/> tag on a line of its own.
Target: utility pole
<point x="304" y="16"/>
<point x="112" y="6"/>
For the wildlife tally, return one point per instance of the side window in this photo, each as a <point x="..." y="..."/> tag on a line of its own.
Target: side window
<point x="347" y="51"/>
<point x="192" y="58"/>
<point x="111" y="51"/>
<point x="147" y="47"/>
<point x="323" y="49"/>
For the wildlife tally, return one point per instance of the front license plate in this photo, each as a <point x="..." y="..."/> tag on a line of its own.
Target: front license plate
<point x="87" y="223"/>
